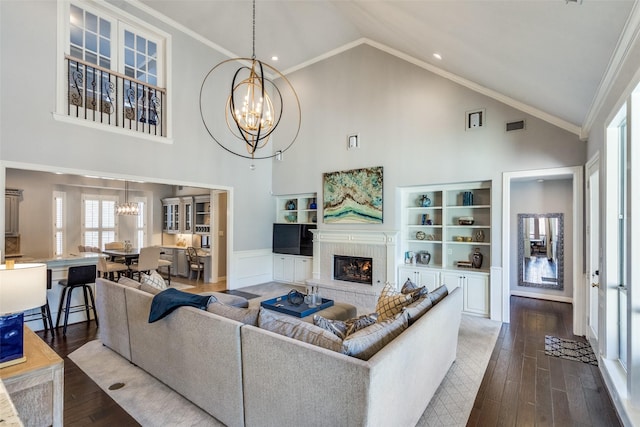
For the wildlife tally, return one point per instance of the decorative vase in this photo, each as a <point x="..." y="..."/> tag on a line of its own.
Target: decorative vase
<point x="476" y="258"/>
<point x="424" y="201"/>
<point x="291" y="205"/>
<point x="127" y="246"/>
<point x="424" y="257"/>
<point x="479" y="236"/>
<point x="313" y="204"/>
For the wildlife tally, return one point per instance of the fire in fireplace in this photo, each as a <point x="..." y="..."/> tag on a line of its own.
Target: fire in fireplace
<point x="353" y="269"/>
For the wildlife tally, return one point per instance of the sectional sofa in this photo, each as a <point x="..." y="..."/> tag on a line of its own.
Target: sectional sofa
<point x="245" y="375"/>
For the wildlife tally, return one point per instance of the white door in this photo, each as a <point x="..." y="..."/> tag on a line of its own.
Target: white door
<point x="595" y="294"/>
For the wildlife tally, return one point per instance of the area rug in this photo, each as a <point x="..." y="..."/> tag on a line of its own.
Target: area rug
<point x="180" y="286"/>
<point x="151" y="403"/>
<point x="569" y="349"/>
<point x="247" y="295"/>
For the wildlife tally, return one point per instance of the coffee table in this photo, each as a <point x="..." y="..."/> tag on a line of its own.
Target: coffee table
<point x="283" y="305"/>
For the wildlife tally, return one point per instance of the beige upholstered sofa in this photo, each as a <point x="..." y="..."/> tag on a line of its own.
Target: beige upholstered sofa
<point x="260" y="378"/>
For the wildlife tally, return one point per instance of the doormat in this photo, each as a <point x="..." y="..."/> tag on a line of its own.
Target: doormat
<point x="569" y="349"/>
<point x="246" y="295"/>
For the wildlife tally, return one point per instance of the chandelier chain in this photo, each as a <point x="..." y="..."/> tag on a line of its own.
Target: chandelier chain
<point x="253" y="51"/>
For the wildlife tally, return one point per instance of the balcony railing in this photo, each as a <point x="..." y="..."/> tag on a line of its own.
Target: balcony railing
<point x="101" y="95"/>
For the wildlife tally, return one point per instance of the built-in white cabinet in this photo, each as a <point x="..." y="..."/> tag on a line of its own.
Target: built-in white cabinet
<point x="475" y="287"/>
<point x="420" y="276"/>
<point x="446" y="239"/>
<point x="292" y="268"/>
<point x="297" y="208"/>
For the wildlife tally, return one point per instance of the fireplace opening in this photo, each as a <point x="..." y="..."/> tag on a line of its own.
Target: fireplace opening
<point x="353" y="269"/>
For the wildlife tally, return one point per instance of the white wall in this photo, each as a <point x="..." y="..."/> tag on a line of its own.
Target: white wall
<point x="411" y="122"/>
<point x="29" y="134"/>
<point x="550" y="196"/>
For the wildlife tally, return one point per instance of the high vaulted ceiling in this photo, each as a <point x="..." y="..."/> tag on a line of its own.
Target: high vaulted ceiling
<point x="550" y="58"/>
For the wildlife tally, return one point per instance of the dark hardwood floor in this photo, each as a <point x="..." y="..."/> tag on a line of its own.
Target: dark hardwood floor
<point x="521" y="386"/>
<point x="524" y="387"/>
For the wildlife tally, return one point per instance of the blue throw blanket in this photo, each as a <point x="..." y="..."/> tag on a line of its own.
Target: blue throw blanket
<point x="168" y="300"/>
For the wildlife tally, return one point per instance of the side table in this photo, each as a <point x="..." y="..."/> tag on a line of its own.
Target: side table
<point x="36" y="386"/>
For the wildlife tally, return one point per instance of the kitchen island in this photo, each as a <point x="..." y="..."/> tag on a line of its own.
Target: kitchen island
<point x="59" y="267"/>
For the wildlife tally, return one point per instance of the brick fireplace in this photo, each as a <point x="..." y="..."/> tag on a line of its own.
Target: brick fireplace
<point x="378" y="246"/>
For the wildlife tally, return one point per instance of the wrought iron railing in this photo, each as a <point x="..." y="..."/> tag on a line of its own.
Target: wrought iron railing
<point x="101" y="95"/>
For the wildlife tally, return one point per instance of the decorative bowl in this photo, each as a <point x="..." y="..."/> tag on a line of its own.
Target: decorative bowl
<point x="465" y="220"/>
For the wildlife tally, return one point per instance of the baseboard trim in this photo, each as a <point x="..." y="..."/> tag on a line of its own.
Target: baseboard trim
<point x="557" y="298"/>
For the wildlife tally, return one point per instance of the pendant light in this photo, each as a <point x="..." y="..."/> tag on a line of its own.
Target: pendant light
<point x="254" y="106"/>
<point x="127" y="208"/>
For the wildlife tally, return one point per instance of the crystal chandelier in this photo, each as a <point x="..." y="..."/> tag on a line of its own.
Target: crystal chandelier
<point x="127" y="208"/>
<point x="254" y="106"/>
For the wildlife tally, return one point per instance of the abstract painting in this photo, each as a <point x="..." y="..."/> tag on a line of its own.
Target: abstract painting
<point x="353" y="196"/>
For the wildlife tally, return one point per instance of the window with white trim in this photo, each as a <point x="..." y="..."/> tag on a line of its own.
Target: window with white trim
<point x="115" y="69"/>
<point x="59" y="223"/>
<point x="98" y="220"/>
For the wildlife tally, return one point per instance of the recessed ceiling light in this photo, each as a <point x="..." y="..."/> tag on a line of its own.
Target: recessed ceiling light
<point x="437" y="56"/>
<point x="274" y="58"/>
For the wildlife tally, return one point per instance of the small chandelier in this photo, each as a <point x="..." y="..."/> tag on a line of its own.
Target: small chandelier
<point x="127" y="208"/>
<point x="254" y="106"/>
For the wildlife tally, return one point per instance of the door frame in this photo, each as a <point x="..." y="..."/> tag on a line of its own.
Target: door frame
<point x="592" y="167"/>
<point x="576" y="173"/>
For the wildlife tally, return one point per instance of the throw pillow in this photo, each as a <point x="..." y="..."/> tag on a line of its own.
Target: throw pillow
<point x="368" y="341"/>
<point x="297" y="329"/>
<point x="248" y="316"/>
<point x="154" y="279"/>
<point x="391" y="302"/>
<point x="408" y="286"/>
<point x="417" y="309"/>
<point x="438" y="294"/>
<point x="129" y="282"/>
<point x="344" y="328"/>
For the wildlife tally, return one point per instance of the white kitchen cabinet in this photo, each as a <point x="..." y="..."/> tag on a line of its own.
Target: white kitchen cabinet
<point x="202" y="214"/>
<point x="292" y="268"/>
<point x="475" y="287"/>
<point x="420" y="276"/>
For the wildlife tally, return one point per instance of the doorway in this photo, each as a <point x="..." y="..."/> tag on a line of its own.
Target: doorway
<point x="574" y="278"/>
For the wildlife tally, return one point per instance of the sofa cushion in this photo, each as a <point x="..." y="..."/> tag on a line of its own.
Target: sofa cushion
<point x="248" y="316"/>
<point x="295" y="328"/>
<point x="390" y="302"/>
<point x="437" y="294"/>
<point x="154" y="279"/>
<point x="417" y="309"/>
<point x="150" y="289"/>
<point x="228" y="299"/>
<point x="127" y="281"/>
<point x="344" y="328"/>
<point x="368" y="341"/>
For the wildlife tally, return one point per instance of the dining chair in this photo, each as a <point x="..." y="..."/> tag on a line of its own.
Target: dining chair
<point x="108" y="268"/>
<point x="168" y="264"/>
<point x="115" y="246"/>
<point x="79" y="276"/>
<point x="147" y="261"/>
<point x="195" y="263"/>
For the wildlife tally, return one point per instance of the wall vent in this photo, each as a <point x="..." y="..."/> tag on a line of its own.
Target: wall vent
<point x="518" y="125"/>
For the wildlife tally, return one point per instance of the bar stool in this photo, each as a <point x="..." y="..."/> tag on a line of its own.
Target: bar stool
<point x="78" y="277"/>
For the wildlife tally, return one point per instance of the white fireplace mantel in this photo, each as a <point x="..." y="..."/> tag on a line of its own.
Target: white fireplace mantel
<point x="378" y="245"/>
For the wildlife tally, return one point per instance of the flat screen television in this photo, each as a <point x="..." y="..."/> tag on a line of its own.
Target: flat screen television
<point x="293" y="239"/>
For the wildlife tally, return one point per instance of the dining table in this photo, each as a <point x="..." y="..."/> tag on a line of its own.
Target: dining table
<point x="129" y="256"/>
